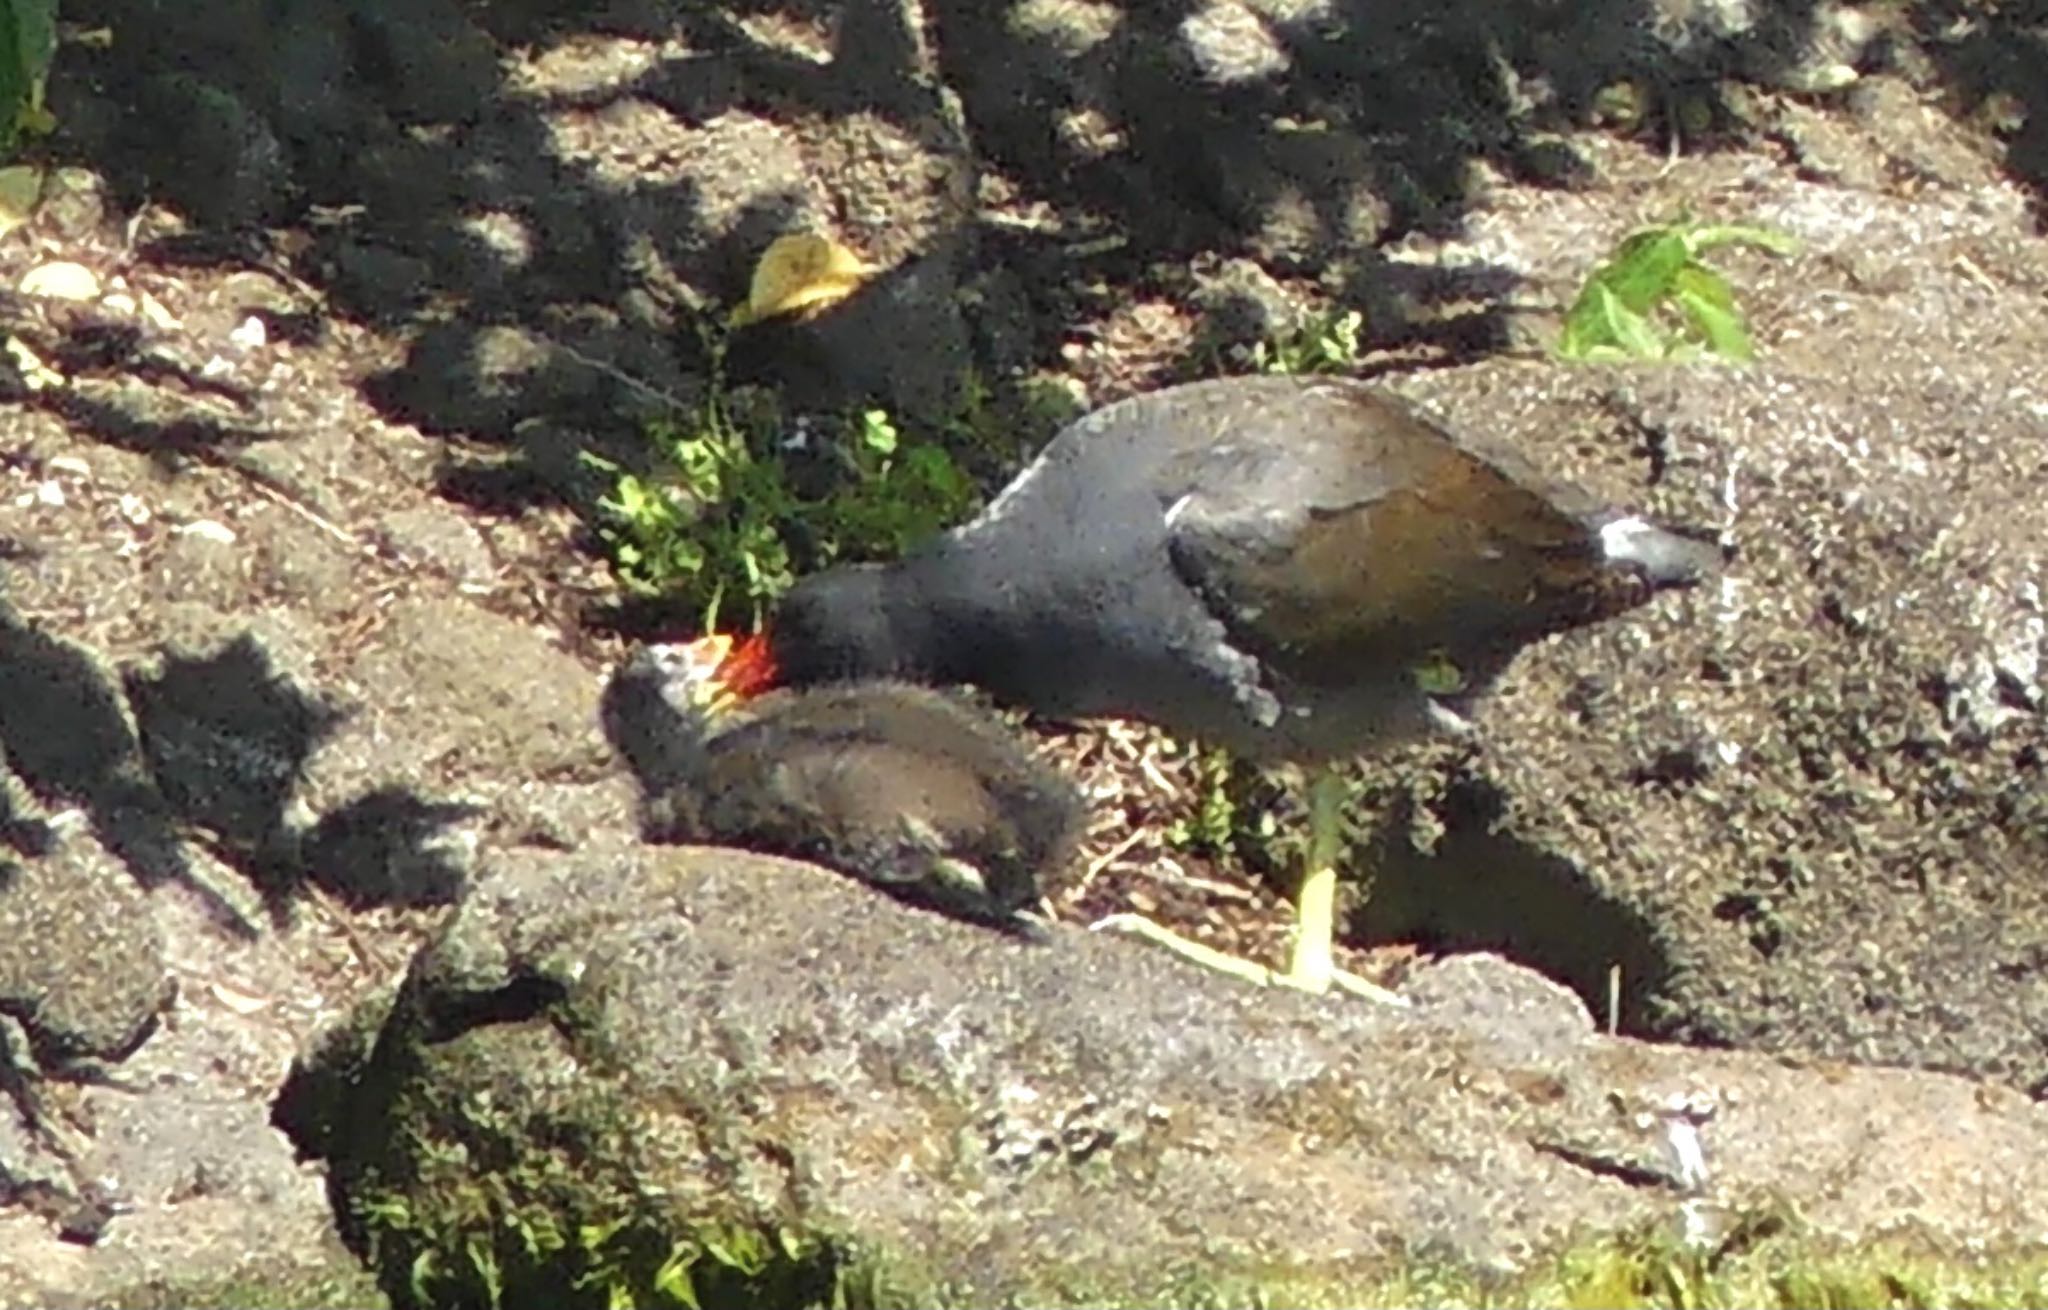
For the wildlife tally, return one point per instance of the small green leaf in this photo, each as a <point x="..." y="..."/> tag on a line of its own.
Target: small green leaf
<point x="1656" y="299"/>
<point x="28" y="42"/>
<point x="1439" y="675"/>
<point x="673" y="1278"/>
<point x="21" y="187"/>
<point x="1640" y="273"/>
<point x="1709" y="307"/>
<point x="877" y="432"/>
<point x="425" y="1267"/>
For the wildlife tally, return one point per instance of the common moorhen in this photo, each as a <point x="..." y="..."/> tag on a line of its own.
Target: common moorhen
<point x="1293" y="568"/>
<point x="903" y="787"/>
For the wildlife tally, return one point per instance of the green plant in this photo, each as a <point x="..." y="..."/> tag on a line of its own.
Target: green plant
<point x="28" y="42"/>
<point x="736" y="508"/>
<point x="1655" y="297"/>
<point x="895" y="494"/>
<point x="1212" y="828"/>
<point x="1326" y="344"/>
<point x="709" y="526"/>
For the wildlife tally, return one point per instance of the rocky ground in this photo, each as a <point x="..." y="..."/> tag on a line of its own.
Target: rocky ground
<point x="303" y="625"/>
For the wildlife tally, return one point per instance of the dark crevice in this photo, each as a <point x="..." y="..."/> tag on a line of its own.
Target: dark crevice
<point x="1482" y="890"/>
<point x="524" y="998"/>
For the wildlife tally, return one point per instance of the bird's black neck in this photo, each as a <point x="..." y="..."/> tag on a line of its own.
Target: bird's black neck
<point x="861" y="621"/>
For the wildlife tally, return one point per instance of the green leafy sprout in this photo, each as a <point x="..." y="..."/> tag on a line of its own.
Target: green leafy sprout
<point x="1212" y="829"/>
<point x="1656" y="298"/>
<point x="742" y="499"/>
<point x="1326" y="344"/>
<point x="28" y="42"/>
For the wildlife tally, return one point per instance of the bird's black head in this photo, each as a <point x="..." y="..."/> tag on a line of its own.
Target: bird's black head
<point x="839" y="625"/>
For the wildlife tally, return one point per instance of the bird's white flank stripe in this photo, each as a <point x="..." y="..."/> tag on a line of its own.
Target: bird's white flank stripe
<point x="1618" y="539"/>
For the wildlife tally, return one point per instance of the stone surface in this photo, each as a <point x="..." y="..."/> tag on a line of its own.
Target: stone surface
<point x="748" y="1044"/>
<point x="1815" y="789"/>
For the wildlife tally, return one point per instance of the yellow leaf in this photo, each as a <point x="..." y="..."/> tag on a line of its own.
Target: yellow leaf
<point x="800" y="274"/>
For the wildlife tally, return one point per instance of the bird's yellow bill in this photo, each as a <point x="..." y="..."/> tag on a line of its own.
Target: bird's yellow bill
<point x="698" y="674"/>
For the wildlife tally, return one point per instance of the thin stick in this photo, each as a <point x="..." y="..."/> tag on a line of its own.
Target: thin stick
<point x="1107" y="858"/>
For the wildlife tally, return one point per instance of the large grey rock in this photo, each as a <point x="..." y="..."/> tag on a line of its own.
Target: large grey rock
<point x="707" y="1050"/>
<point x="1804" y="807"/>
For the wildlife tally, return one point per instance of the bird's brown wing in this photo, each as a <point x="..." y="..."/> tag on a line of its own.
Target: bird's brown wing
<point x="1372" y="534"/>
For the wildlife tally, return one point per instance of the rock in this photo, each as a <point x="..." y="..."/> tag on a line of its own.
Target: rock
<point x="1230" y="43"/>
<point x="1811" y="792"/>
<point x="233" y="171"/>
<point x="439" y="541"/>
<point x="473" y="694"/>
<point x="156" y="1177"/>
<point x="82" y="984"/>
<point x="745" y="1050"/>
<point x="81" y="959"/>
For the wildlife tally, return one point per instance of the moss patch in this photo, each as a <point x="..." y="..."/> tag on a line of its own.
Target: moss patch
<point x="343" y="1286"/>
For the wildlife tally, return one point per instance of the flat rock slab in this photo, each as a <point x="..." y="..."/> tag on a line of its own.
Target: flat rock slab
<point x="735" y="1042"/>
<point x="81" y="959"/>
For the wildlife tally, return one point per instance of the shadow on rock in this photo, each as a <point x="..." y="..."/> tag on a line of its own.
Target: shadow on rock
<point x="65" y="734"/>
<point x="219" y="745"/>
<point x="228" y="739"/>
<point x="1995" y="57"/>
<point x="386" y="848"/>
<point x="584" y="214"/>
<point x="1481" y="890"/>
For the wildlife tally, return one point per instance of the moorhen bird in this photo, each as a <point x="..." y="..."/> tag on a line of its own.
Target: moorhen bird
<point x="1293" y="568"/>
<point x="903" y="787"/>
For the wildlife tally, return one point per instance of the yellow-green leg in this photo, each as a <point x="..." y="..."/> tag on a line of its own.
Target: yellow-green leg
<point x="1311" y="968"/>
<point x="1315" y="901"/>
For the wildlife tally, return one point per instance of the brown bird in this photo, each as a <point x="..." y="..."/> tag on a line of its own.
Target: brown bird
<point x="1293" y="568"/>
<point x="905" y="788"/>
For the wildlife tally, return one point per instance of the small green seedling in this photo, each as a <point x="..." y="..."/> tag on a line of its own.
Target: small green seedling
<point x="1656" y="298"/>
<point x="725" y="527"/>
<point x="28" y="42"/>
<point x="1329" y="344"/>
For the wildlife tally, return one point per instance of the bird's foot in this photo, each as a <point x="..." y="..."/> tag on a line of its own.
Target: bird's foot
<point x="1137" y="925"/>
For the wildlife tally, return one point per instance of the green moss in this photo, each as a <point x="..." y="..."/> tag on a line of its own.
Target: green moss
<point x="468" y="1185"/>
<point x="471" y="1203"/>
<point x="1781" y="1270"/>
<point x="343" y="1286"/>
